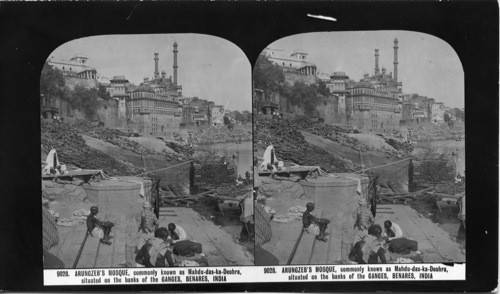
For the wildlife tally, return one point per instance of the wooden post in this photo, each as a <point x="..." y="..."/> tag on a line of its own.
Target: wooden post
<point x="157" y="198"/>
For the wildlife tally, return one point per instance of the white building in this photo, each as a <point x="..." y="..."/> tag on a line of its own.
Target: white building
<point x="296" y="61"/>
<point x="217" y="113"/>
<point x="337" y="86"/>
<point x="76" y="66"/>
<point x="437" y="112"/>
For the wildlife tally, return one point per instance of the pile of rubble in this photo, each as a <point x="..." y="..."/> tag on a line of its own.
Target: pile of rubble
<point x="339" y="135"/>
<point x="433" y="170"/>
<point x="429" y="131"/>
<point x="229" y="190"/>
<point x="214" y="174"/>
<point x="72" y="150"/>
<point x="112" y="136"/>
<point x="180" y="148"/>
<point x="400" y="146"/>
<point x="332" y="133"/>
<point x="290" y="145"/>
<point x="214" y="135"/>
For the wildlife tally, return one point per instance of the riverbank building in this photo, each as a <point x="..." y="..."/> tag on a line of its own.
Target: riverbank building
<point x="373" y="103"/>
<point x="153" y="108"/>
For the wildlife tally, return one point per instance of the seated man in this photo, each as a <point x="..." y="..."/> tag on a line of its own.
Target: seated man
<point x="314" y="225"/>
<point x="176" y="233"/>
<point x="156" y="252"/>
<point x="392" y="231"/>
<point x="97" y="228"/>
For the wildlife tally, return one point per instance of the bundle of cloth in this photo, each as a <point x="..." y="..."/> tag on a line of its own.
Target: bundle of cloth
<point x="189" y="253"/>
<point x="403" y="245"/>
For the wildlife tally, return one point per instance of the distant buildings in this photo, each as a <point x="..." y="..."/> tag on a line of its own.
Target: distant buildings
<point x="196" y="111"/>
<point x="419" y="109"/>
<point x="156" y="107"/>
<point x="373" y="102"/>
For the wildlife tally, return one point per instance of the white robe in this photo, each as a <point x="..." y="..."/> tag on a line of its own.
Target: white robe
<point x="50" y="162"/>
<point x="269" y="157"/>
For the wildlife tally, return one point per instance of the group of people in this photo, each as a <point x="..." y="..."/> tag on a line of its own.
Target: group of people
<point x="157" y="245"/>
<point x="371" y="240"/>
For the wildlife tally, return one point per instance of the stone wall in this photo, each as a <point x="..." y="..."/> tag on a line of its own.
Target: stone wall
<point x="272" y="188"/>
<point x="107" y="112"/>
<point x="328" y="110"/>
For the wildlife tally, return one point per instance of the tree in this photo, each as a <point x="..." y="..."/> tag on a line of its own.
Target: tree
<point x="85" y="99"/>
<point x="267" y="77"/>
<point x="51" y="81"/>
<point x="101" y="92"/>
<point x="446" y="117"/>
<point x="304" y="96"/>
<point x="459" y="114"/>
<point x="227" y="121"/>
<point x="248" y="115"/>
<point x="323" y="89"/>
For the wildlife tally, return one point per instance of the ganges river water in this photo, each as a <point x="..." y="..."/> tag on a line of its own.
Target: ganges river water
<point x="242" y="154"/>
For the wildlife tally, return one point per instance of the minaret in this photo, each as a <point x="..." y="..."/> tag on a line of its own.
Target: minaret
<point x="175" y="64"/>
<point x="157" y="74"/>
<point x="376" y="62"/>
<point x="396" y="59"/>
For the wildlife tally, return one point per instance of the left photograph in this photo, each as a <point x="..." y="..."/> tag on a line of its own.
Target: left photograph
<point x="146" y="153"/>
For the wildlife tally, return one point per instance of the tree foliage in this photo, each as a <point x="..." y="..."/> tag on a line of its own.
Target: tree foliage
<point x="243" y="117"/>
<point x="304" y="96"/>
<point x="446" y="117"/>
<point x="85" y="99"/>
<point x="322" y="88"/>
<point x="227" y="121"/>
<point x="459" y="114"/>
<point x="51" y="81"/>
<point x="268" y="76"/>
<point x="102" y="93"/>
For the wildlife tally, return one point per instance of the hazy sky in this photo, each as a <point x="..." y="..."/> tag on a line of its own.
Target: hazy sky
<point x="209" y="67"/>
<point x="427" y="64"/>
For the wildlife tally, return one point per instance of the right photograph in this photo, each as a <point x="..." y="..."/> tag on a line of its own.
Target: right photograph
<point x="359" y="150"/>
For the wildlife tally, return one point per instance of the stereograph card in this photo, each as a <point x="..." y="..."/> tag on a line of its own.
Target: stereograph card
<point x="250" y="146"/>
